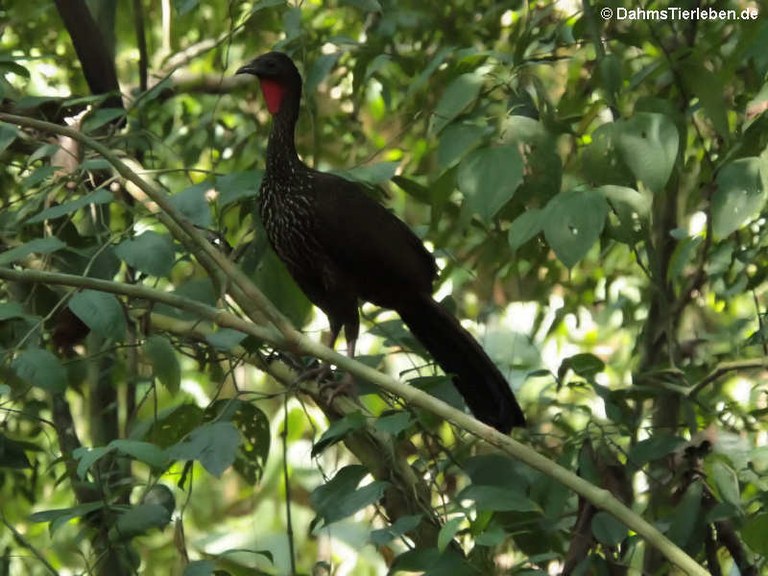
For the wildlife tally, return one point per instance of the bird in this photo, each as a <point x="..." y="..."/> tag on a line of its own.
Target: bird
<point x="342" y="247"/>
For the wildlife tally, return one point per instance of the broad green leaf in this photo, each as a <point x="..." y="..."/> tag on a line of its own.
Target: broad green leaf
<point x="488" y="178"/>
<point x="100" y="117"/>
<point x="653" y="449"/>
<point x="456" y="141"/>
<point x="101" y="312"/>
<point x="40" y="368"/>
<point x="337" y="431"/>
<point x="400" y="527"/>
<point x="710" y="89"/>
<point x="61" y="516"/>
<point x="371" y="174"/>
<point x="726" y="480"/>
<point x="214" y="445"/>
<point x="687" y="516"/>
<point x="139" y="519"/>
<point x="739" y="196"/>
<point x="12" y="454"/>
<point x="141" y="451"/>
<point x="255" y="435"/>
<point x="150" y="252"/>
<point x="101" y="196"/>
<point x="754" y="531"/>
<point x="585" y="365"/>
<point x="8" y="134"/>
<point x="498" y="499"/>
<point x="37" y="246"/>
<point x="448" y="531"/>
<point x="525" y="227"/>
<point x="573" y="222"/>
<point x="9" y="310"/>
<point x="458" y="96"/>
<point x="165" y="364"/>
<point x="225" y="338"/>
<point x="200" y="567"/>
<point x="648" y="143"/>
<point x="394" y="423"/>
<point x="192" y="202"/>
<point x="608" y="530"/>
<point x="236" y="186"/>
<point x="341" y="497"/>
<point x="86" y="457"/>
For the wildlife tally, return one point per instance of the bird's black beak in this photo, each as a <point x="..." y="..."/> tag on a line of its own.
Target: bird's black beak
<point x="250" y="68"/>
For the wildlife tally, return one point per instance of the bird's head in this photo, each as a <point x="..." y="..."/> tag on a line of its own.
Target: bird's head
<point x="278" y="76"/>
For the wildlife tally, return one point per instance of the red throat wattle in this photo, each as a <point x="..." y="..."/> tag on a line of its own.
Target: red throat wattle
<point x="273" y="94"/>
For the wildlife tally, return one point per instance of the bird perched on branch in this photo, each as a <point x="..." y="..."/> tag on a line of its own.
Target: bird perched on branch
<point x="342" y="247"/>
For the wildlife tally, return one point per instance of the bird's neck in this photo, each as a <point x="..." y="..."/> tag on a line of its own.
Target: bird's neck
<point x="281" y="149"/>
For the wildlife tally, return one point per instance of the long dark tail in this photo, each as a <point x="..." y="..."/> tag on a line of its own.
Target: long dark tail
<point x="476" y="377"/>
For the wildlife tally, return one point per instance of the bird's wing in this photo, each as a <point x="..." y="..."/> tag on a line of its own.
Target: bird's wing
<point x="369" y="243"/>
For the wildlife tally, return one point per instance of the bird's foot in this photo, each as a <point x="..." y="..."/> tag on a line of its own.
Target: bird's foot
<point x="331" y="389"/>
<point x="319" y="373"/>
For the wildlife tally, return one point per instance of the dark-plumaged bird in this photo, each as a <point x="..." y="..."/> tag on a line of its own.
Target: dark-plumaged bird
<point x="342" y="247"/>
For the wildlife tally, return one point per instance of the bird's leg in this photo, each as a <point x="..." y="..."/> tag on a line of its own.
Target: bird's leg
<point x="323" y="369"/>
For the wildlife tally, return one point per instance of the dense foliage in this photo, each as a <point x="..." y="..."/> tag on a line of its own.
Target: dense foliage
<point x="594" y="188"/>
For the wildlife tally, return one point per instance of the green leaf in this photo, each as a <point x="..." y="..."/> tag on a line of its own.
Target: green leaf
<point x="488" y="178"/>
<point x="10" y="310"/>
<point x="394" y="423"/>
<point x="739" y="196"/>
<point x="337" y="431"/>
<point x="214" y="445"/>
<point x="165" y="364"/>
<point x="140" y="519"/>
<point x="498" y="499"/>
<point x="141" y="451"/>
<point x="585" y="365"/>
<point x="254" y="428"/>
<point x="97" y="197"/>
<point x="653" y="449"/>
<point x="42" y="369"/>
<point x="456" y="141"/>
<point x="101" y="312"/>
<point x="86" y="457"/>
<point x="340" y="497"/>
<point x="200" y="567"/>
<point x="447" y="532"/>
<point x="525" y="227"/>
<point x="687" y="516"/>
<point x="151" y="253"/>
<point x="710" y="89"/>
<point x="12" y="454"/>
<point x="8" y="134"/>
<point x="648" y="144"/>
<point x="608" y="530"/>
<point x="400" y="527"/>
<point x="458" y="96"/>
<point x="754" y="531"/>
<point x="573" y="222"/>
<point x="61" y="516"/>
<point x="371" y="174"/>
<point x="193" y="204"/>
<point x="236" y="186"/>
<point x="100" y="117"/>
<point x="726" y="480"/>
<point x="36" y="246"/>
<point x="225" y="338"/>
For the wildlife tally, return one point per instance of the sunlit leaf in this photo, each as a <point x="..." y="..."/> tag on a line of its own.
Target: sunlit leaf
<point x="648" y="144"/>
<point x="739" y="196"/>
<point x="36" y="246"/>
